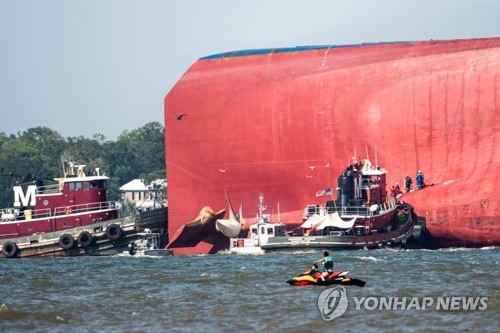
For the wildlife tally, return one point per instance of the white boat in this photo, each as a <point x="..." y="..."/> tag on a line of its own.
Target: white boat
<point x="148" y="244"/>
<point x="258" y="235"/>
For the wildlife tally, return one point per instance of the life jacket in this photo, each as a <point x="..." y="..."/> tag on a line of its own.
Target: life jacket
<point x="328" y="264"/>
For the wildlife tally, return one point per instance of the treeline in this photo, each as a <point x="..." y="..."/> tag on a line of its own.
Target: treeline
<point x="139" y="153"/>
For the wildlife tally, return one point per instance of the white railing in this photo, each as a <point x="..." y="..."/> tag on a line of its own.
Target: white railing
<point x="12" y="214"/>
<point x="75" y="209"/>
<point x="351" y="210"/>
<point x="388" y="206"/>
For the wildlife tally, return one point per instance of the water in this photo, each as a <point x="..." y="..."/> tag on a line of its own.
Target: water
<point x="233" y="293"/>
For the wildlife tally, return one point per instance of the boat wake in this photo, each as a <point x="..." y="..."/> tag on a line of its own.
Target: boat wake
<point x="282" y="252"/>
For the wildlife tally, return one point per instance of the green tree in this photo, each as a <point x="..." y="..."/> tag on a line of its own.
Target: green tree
<point x="46" y="146"/>
<point x="139" y="153"/>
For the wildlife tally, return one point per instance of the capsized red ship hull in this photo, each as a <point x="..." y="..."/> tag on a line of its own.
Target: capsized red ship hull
<point x="286" y="122"/>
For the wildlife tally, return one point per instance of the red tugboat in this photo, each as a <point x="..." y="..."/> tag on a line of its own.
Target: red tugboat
<point x="69" y="217"/>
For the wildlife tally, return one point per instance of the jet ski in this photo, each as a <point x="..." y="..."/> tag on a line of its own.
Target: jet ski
<point x="312" y="277"/>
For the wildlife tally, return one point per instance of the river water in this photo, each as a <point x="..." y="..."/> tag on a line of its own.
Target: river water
<point x="234" y="293"/>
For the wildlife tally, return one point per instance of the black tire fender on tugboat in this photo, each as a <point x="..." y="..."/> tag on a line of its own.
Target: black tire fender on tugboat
<point x="66" y="241"/>
<point x="114" y="232"/>
<point x="9" y="249"/>
<point x="85" y="239"/>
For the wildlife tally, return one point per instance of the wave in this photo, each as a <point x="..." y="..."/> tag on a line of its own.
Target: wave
<point x="462" y="249"/>
<point x="493" y="247"/>
<point x="370" y="258"/>
<point x="452" y="249"/>
<point x="8" y="315"/>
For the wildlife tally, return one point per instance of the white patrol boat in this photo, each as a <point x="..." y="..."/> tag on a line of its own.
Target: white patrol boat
<point x="258" y="235"/>
<point x="148" y="244"/>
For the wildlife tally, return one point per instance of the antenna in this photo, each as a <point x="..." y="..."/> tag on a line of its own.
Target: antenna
<point x="376" y="159"/>
<point x="279" y="218"/>
<point x="367" y="157"/>
<point x="63" y="166"/>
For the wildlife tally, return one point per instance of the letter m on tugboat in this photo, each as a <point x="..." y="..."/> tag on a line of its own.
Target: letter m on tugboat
<point x="22" y="200"/>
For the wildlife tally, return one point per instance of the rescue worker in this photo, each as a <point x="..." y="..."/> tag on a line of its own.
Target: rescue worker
<point x="420" y="180"/>
<point x="393" y="191"/>
<point x="408" y="183"/>
<point x="398" y="189"/>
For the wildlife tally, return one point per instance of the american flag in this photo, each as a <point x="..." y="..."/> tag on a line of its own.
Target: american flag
<point x="326" y="191"/>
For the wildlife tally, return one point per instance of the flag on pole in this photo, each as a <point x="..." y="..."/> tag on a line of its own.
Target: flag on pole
<point x="326" y="191"/>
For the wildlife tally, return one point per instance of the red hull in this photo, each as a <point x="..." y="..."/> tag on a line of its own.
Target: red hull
<point x="286" y="122"/>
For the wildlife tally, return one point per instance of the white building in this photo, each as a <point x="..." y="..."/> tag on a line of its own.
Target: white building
<point x="144" y="197"/>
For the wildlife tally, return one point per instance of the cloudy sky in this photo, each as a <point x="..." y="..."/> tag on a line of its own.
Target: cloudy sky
<point x="82" y="67"/>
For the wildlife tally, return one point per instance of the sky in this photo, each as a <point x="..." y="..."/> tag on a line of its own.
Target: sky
<point x="85" y="67"/>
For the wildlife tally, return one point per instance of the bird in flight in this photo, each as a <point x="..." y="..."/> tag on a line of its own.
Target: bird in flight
<point x="179" y="116"/>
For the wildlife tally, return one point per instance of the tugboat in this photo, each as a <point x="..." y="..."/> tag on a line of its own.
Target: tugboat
<point x="71" y="216"/>
<point x="362" y="216"/>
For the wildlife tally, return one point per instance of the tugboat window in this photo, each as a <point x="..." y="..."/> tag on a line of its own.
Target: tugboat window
<point x="71" y="186"/>
<point x="85" y="185"/>
<point x="102" y="184"/>
<point x="79" y="186"/>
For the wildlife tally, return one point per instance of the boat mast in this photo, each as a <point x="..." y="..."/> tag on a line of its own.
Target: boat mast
<point x="261" y="207"/>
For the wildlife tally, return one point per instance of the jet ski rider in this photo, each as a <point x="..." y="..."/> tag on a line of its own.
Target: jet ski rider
<point x="327" y="262"/>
